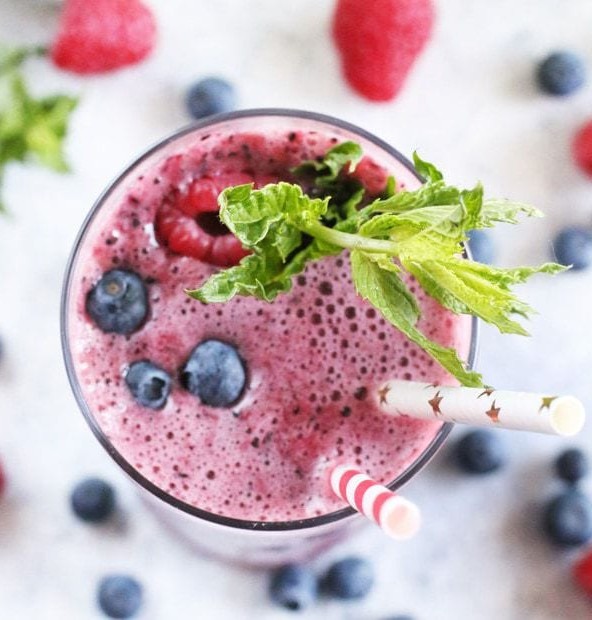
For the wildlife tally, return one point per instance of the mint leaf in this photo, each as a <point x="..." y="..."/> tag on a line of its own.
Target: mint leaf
<point x="11" y="59"/>
<point x="388" y="293"/>
<point x="31" y="129"/>
<point x="419" y="232"/>
<point x="428" y="171"/>
<point x="335" y="160"/>
<point x="269" y="221"/>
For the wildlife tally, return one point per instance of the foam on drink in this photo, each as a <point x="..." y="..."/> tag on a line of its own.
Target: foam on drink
<point x="314" y="356"/>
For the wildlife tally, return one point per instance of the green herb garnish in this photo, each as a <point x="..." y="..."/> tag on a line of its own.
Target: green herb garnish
<point x="31" y="129"/>
<point x="420" y="232"/>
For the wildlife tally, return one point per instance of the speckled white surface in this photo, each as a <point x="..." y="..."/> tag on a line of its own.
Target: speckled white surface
<point x="471" y="107"/>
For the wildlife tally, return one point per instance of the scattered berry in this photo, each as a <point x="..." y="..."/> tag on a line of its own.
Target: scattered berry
<point x="572" y="465"/>
<point x="379" y="41"/>
<point x="573" y="246"/>
<point x="93" y="500"/>
<point x="102" y="35"/>
<point x="567" y="519"/>
<point x="480" y="452"/>
<point x="119" y="596"/>
<point x="582" y="572"/>
<point x="149" y="384"/>
<point x="210" y="96"/>
<point x="481" y="246"/>
<point x="188" y="224"/>
<point x="118" y="302"/>
<point x="215" y="373"/>
<point x="293" y="587"/>
<point x="350" y="578"/>
<point x="561" y="73"/>
<point x="582" y="148"/>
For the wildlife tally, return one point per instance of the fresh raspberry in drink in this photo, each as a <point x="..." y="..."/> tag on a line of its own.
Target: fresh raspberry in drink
<point x="187" y="222"/>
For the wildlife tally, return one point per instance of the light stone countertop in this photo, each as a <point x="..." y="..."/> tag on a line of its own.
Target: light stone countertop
<point x="470" y="106"/>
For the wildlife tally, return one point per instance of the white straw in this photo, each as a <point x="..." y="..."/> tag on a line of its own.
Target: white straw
<point x="541" y="413"/>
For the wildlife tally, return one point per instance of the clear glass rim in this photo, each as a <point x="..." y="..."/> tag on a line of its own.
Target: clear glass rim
<point x="332" y="517"/>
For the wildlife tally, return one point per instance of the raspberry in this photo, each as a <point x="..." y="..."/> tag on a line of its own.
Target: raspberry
<point x="379" y="41"/>
<point x="582" y="572"/>
<point x="582" y="148"/>
<point x="102" y="35"/>
<point x="371" y="175"/>
<point x="188" y="223"/>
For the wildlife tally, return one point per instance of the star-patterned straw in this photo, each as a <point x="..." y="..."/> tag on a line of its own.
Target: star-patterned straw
<point x="541" y="413"/>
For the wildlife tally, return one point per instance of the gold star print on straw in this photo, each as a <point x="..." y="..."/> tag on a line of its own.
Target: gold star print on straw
<point x="493" y="413"/>
<point x="434" y="403"/>
<point x="384" y="390"/>
<point x="546" y="402"/>
<point x="554" y="415"/>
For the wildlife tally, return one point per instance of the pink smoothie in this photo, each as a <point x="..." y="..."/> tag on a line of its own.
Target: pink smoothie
<point x="314" y="357"/>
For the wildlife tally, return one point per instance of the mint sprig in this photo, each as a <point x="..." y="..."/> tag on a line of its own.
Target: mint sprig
<point x="31" y="129"/>
<point x="420" y="232"/>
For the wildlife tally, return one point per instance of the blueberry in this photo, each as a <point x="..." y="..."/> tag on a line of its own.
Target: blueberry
<point x="118" y="302"/>
<point x="119" y="596"/>
<point x="480" y="452"/>
<point x="93" y="500"/>
<point x="573" y="246"/>
<point x="572" y="465"/>
<point x="350" y="578"/>
<point x="215" y="373"/>
<point x="210" y="96"/>
<point x="293" y="587"/>
<point x="149" y="384"/>
<point x="561" y="73"/>
<point x="481" y="246"/>
<point x="567" y="519"/>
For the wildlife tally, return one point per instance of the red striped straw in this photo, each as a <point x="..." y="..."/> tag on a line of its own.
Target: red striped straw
<point x="395" y="515"/>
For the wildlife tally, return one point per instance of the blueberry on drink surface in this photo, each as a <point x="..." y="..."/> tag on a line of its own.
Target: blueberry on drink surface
<point x="119" y="596"/>
<point x="349" y="579"/>
<point x="572" y="465"/>
<point x="481" y="246"/>
<point x="567" y="519"/>
<point x="480" y="452"/>
<point x="149" y="384"/>
<point x="573" y="246"/>
<point x="214" y="373"/>
<point x="561" y="73"/>
<point x="293" y="587"/>
<point x="118" y="302"/>
<point x="209" y="96"/>
<point x="93" y="500"/>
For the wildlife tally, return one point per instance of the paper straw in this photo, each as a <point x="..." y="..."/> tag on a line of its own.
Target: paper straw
<point x="397" y="516"/>
<point x="541" y="413"/>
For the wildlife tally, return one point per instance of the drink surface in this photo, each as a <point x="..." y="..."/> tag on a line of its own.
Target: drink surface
<point x="314" y="356"/>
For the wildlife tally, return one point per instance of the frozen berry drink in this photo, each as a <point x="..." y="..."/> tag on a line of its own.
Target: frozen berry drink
<point x="231" y="415"/>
